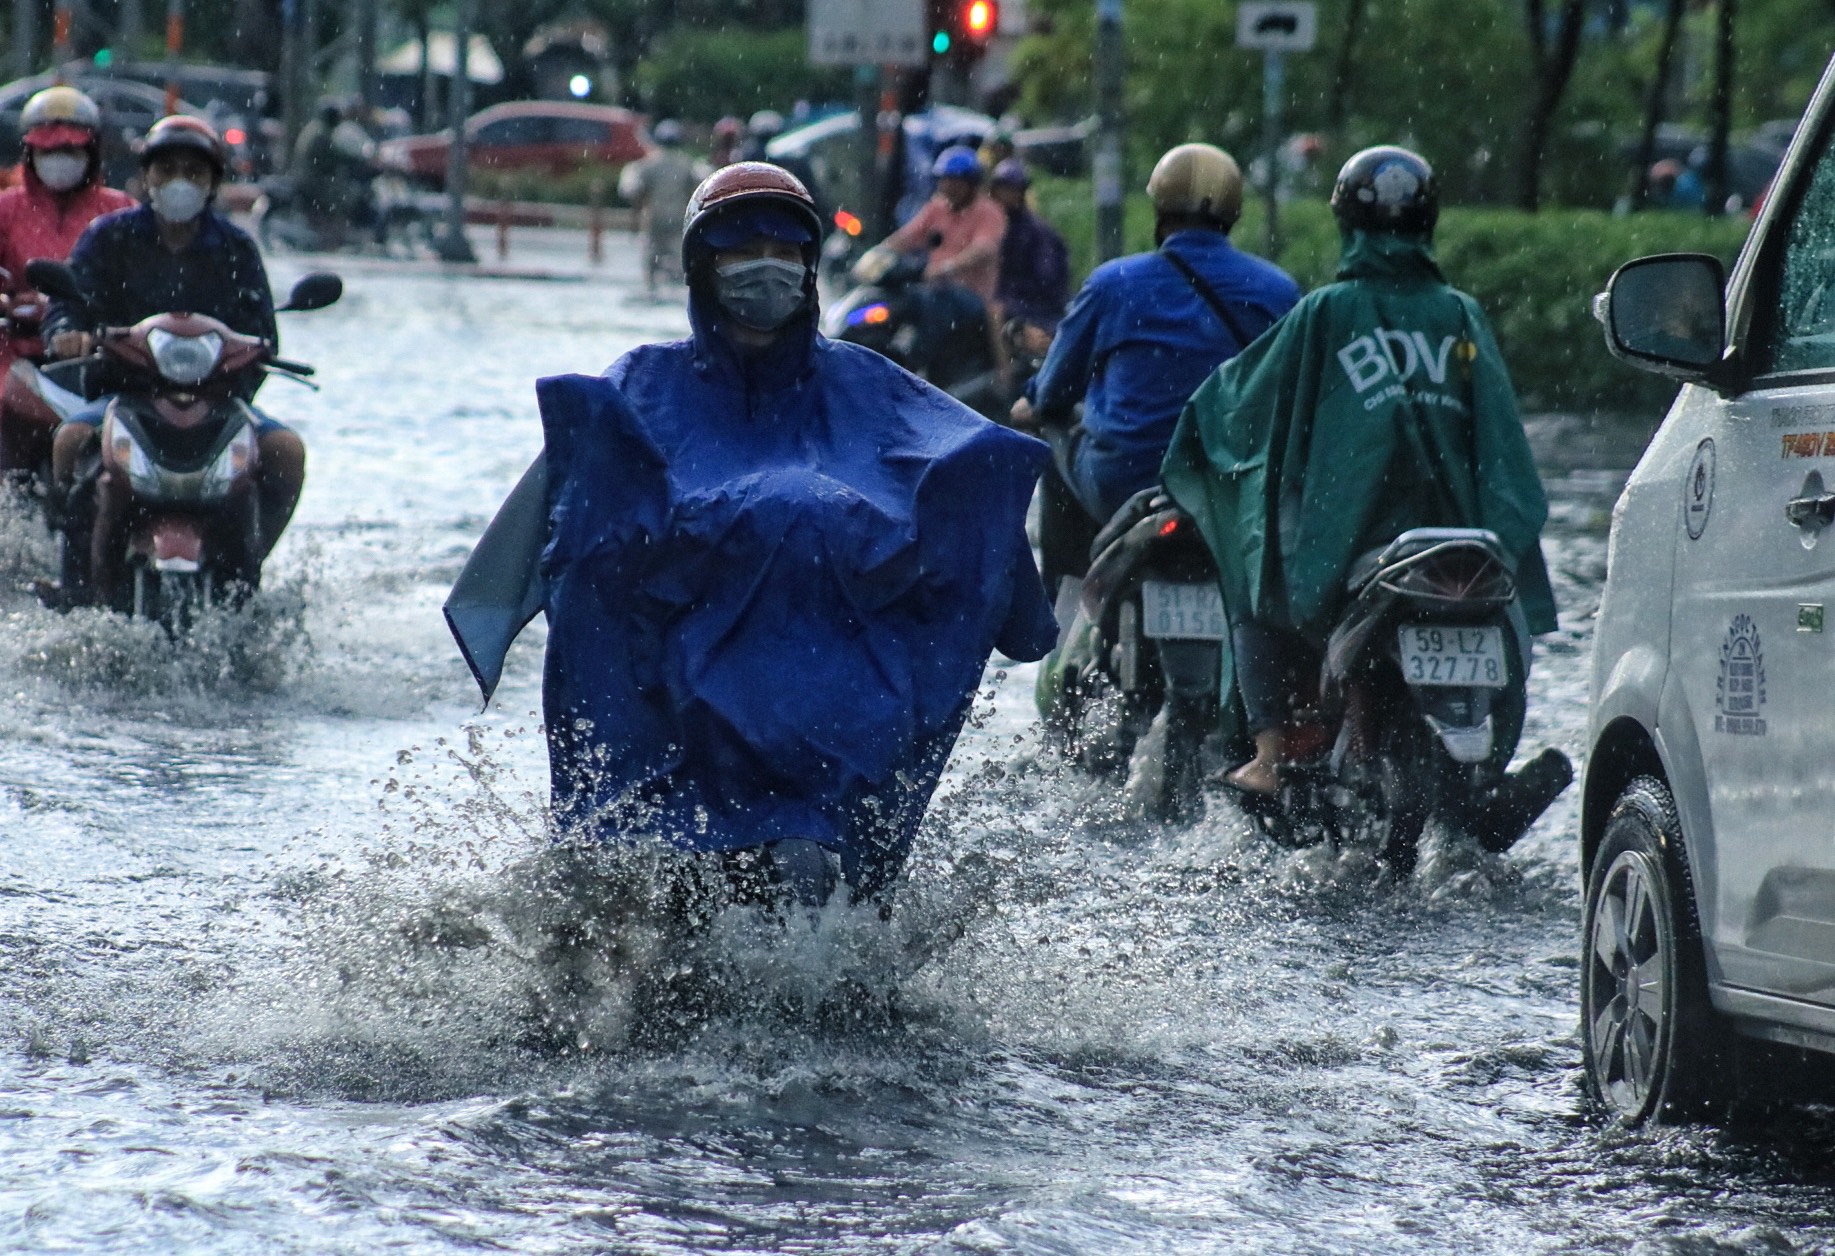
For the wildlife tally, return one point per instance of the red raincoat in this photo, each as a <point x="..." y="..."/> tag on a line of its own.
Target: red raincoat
<point x="37" y="222"/>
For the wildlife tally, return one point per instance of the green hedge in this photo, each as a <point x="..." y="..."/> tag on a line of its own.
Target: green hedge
<point x="1534" y="274"/>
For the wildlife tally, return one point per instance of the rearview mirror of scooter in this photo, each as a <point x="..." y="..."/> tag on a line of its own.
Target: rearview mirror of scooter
<point x="315" y="291"/>
<point x="54" y="279"/>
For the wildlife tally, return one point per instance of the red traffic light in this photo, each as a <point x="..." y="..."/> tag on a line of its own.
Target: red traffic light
<point x="979" y="18"/>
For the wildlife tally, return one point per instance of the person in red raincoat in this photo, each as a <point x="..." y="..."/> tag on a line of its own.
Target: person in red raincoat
<point x="59" y="194"/>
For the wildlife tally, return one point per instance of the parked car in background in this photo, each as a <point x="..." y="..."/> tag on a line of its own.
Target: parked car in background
<point x="1705" y="843"/>
<point x="128" y="109"/>
<point x="241" y="104"/>
<point x="552" y="137"/>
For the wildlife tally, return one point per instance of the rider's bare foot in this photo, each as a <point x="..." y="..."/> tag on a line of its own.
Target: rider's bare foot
<point x="1257" y="776"/>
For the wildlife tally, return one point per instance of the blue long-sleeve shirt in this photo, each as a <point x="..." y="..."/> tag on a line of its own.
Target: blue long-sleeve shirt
<point x="1137" y="342"/>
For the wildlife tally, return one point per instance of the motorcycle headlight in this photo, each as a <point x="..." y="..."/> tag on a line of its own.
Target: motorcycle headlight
<point x="125" y="452"/>
<point x="185" y="359"/>
<point x="229" y="465"/>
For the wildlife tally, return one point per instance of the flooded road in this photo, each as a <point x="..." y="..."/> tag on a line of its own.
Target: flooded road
<point x="273" y="910"/>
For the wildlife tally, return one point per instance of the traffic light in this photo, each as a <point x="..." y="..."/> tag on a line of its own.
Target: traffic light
<point x="979" y="19"/>
<point x="962" y="29"/>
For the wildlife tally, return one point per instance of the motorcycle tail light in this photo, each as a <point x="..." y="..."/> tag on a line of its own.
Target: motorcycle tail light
<point x="1169" y="527"/>
<point x="848" y="222"/>
<point x="230" y="465"/>
<point x="185" y="359"/>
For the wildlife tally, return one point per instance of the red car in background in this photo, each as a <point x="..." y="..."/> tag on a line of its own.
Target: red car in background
<point x="553" y="137"/>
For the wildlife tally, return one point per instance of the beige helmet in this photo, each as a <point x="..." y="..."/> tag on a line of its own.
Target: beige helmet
<point x="59" y="116"/>
<point x="1200" y="180"/>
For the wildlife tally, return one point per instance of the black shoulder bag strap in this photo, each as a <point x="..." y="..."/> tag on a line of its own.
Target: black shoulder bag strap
<point x="1209" y="296"/>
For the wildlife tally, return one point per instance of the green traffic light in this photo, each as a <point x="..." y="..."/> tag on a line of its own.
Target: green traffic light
<point x="104" y="56"/>
<point x="939" y="42"/>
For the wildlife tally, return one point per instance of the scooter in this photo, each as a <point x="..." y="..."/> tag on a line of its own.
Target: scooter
<point x="1418" y="710"/>
<point x="33" y="399"/>
<point x="886" y="314"/>
<point x="184" y="446"/>
<point x="1133" y="683"/>
<point x="390" y="219"/>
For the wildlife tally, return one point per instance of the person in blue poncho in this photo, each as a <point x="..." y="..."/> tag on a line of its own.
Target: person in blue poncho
<point x="773" y="566"/>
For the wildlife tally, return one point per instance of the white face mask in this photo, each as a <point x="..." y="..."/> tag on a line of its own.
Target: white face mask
<point x="181" y="200"/>
<point x="60" y="171"/>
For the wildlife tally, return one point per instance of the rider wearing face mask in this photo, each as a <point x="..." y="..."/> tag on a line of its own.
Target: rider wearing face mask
<point x="176" y="252"/>
<point x="774" y="568"/>
<point x="60" y="194"/>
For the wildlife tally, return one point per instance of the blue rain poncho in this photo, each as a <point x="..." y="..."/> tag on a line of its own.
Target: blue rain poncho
<point x="772" y="583"/>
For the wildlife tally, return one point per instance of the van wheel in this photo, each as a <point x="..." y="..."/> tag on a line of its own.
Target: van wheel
<point x="1656" y="1051"/>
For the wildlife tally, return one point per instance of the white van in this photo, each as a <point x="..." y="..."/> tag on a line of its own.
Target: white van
<point x="1708" y="813"/>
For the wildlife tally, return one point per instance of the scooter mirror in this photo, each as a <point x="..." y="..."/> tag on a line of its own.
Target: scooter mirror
<point x="315" y="291"/>
<point x="54" y="279"/>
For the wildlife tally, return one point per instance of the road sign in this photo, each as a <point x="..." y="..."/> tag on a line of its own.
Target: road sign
<point x="1277" y="25"/>
<point x="868" y="32"/>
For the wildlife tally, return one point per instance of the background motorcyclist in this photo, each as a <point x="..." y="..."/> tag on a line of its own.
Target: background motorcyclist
<point x="760" y="129"/>
<point x="767" y="607"/>
<point x="659" y="186"/>
<point x="332" y="165"/>
<point x="1381" y="403"/>
<point x="60" y="193"/>
<point x="175" y="252"/>
<point x="1140" y="336"/>
<point x="962" y="229"/>
<point x="1034" y="262"/>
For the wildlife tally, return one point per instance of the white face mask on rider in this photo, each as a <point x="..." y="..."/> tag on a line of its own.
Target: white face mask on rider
<point x="60" y="171"/>
<point x="763" y="294"/>
<point x="180" y="200"/>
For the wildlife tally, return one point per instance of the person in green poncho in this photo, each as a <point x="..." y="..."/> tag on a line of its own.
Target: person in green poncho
<point x="1380" y="403"/>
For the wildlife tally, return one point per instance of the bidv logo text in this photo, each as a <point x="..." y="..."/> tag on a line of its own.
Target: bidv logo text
<point x="1396" y="357"/>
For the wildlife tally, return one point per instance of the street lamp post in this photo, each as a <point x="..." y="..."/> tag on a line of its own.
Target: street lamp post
<point x="1107" y="168"/>
<point x="453" y="246"/>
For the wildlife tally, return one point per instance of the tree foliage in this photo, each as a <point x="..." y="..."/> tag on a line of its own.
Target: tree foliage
<point x="1456" y="80"/>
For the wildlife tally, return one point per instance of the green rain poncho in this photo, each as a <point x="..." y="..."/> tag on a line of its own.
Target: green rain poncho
<point x="1378" y="404"/>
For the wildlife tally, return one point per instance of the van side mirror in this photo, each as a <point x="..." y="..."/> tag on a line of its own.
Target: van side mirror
<point x="315" y="291"/>
<point x="1667" y="314"/>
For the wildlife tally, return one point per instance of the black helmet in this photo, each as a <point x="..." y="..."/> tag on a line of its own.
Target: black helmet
<point x="1386" y="189"/>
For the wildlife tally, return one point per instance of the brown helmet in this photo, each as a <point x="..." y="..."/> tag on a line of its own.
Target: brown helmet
<point x="181" y="131"/>
<point x="745" y="184"/>
<point x="1198" y="181"/>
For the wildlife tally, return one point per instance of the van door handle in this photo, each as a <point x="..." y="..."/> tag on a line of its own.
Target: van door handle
<point x="1814" y="511"/>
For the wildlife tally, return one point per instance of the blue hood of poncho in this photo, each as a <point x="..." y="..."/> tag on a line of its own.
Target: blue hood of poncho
<point x="772" y="582"/>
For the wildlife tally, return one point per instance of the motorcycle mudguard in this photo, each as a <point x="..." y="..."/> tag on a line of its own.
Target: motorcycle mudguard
<point x="500" y="589"/>
<point x="174" y="544"/>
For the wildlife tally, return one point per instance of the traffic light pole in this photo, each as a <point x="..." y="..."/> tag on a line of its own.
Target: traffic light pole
<point x="1108" y="166"/>
<point x="866" y="99"/>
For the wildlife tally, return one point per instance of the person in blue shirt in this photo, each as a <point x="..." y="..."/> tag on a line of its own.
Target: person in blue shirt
<point x="1140" y="336"/>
